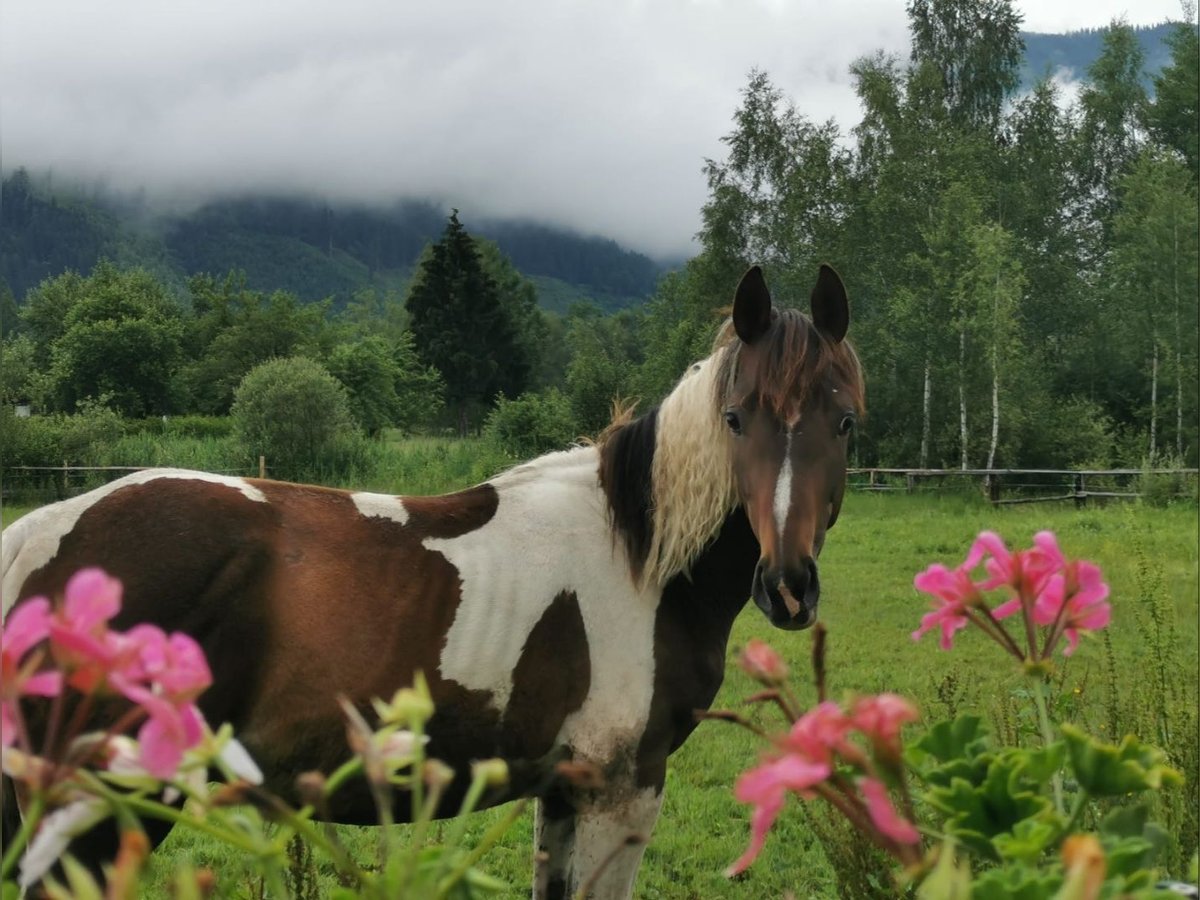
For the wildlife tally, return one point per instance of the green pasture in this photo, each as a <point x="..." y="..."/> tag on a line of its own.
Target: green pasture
<point x="1148" y="554"/>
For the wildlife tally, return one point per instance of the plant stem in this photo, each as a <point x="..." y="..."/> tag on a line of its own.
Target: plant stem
<point x="489" y="838"/>
<point x="1039" y="699"/>
<point x="29" y="822"/>
<point x="1081" y="800"/>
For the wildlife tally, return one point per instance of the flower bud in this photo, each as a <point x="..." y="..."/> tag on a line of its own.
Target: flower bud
<point x="762" y="663"/>
<point x="436" y="774"/>
<point x="494" y="772"/>
<point x="311" y="788"/>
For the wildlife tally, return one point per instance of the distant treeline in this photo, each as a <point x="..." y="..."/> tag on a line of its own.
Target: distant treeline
<point x="315" y="250"/>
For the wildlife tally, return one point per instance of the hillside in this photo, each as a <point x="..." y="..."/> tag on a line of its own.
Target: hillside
<point x="310" y="248"/>
<point x="1075" y="51"/>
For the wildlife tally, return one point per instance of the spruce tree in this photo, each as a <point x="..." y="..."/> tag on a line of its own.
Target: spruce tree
<point x="461" y="327"/>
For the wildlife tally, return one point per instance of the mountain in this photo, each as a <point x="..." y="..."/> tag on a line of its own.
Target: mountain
<point x="1045" y="54"/>
<point x="311" y="248"/>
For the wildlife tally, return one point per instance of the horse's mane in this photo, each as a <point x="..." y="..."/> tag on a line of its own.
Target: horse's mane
<point x="668" y="475"/>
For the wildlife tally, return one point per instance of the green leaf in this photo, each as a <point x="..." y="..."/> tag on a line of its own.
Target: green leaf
<point x="1015" y="882"/>
<point x="950" y="878"/>
<point x="1027" y="840"/>
<point x="1108" y="770"/>
<point x="961" y="737"/>
<point x="976" y="814"/>
<point x="10" y="891"/>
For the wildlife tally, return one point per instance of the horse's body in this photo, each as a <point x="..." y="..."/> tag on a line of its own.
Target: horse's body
<point x="575" y="607"/>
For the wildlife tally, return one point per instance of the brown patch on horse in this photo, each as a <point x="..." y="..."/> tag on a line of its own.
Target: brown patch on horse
<point x="452" y="515"/>
<point x="182" y="569"/>
<point x="626" y="475"/>
<point x="551" y="679"/>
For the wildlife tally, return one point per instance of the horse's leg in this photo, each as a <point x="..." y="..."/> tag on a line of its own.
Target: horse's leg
<point x="606" y="839"/>
<point x="554" y="836"/>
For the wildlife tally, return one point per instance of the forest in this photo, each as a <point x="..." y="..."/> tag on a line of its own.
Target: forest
<point x="1022" y="270"/>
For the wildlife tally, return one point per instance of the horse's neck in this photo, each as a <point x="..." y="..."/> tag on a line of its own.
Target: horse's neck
<point x="717" y="585"/>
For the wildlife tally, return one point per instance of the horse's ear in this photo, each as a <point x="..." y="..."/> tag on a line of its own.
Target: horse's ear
<point x="830" y="305"/>
<point x="752" y="306"/>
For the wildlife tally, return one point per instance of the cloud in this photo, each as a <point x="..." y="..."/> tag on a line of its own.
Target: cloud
<point x="593" y="114"/>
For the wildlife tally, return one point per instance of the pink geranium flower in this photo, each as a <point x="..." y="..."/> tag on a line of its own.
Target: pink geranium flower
<point x="953" y="590"/>
<point x="1086" y="608"/>
<point x="79" y="636"/>
<point x="27" y="626"/>
<point x="819" y="733"/>
<point x="884" y="815"/>
<point x="880" y="718"/>
<point x="760" y="661"/>
<point x="766" y="787"/>
<point x="163" y="675"/>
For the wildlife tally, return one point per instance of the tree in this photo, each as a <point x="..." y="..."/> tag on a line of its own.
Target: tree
<point x="975" y="46"/>
<point x="388" y="384"/>
<point x="460" y="325"/>
<point x="1113" y="104"/>
<point x="292" y="411"/>
<point x="116" y="334"/>
<point x="234" y="329"/>
<point x="1154" y="270"/>
<point x="1172" y="117"/>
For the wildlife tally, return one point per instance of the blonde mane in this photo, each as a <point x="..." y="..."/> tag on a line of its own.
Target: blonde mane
<point x="694" y="488"/>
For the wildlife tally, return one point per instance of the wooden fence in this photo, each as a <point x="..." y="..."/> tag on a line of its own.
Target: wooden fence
<point x="1067" y="484"/>
<point x="1032" y="484"/>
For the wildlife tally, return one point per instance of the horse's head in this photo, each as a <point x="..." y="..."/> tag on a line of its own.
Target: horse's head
<point x="791" y="392"/>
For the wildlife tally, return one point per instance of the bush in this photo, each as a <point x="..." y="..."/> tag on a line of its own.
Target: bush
<point x="532" y="424"/>
<point x="297" y="415"/>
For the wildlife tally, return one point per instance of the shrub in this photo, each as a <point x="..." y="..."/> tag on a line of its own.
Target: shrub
<point x="296" y="414"/>
<point x="532" y="424"/>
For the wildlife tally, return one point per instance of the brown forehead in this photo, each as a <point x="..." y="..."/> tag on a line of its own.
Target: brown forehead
<point x="788" y="366"/>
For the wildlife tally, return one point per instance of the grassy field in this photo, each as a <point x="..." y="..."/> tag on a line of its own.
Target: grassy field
<point x="1149" y="555"/>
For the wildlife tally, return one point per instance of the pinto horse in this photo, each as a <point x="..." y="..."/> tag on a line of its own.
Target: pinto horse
<point x="575" y="607"/>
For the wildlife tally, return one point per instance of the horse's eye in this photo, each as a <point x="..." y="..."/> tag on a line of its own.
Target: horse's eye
<point x="846" y="424"/>
<point x="732" y="420"/>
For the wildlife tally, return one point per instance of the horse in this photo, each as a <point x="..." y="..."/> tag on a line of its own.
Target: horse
<point x="576" y="607"/>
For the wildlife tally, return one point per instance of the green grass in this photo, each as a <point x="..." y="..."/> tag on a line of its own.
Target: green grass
<point x="869" y="608"/>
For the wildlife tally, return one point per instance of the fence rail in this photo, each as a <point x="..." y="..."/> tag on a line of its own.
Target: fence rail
<point x="995" y="481"/>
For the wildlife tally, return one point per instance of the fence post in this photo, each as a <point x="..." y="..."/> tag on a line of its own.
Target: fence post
<point x="262" y="466"/>
<point x="1080" y="496"/>
<point x="993" y="486"/>
<point x="910" y="481"/>
<point x="62" y="482"/>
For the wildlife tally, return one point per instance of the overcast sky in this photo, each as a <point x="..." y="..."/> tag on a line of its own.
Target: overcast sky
<point x="593" y="114"/>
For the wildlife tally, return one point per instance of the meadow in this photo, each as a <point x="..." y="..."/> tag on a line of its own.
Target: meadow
<point x="1113" y="684"/>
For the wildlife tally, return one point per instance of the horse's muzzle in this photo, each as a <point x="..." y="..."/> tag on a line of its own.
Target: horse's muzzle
<point x="788" y="597"/>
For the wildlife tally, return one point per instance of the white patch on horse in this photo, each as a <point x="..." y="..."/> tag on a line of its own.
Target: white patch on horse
<point x="513" y="568"/>
<point x="380" y="506"/>
<point x="34" y="539"/>
<point x="783" y="489"/>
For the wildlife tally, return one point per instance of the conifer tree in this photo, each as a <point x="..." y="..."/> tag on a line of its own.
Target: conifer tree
<point x="461" y="327"/>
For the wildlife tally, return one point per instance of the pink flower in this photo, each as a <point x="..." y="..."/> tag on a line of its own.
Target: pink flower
<point x="79" y="635"/>
<point x="819" y="733"/>
<point x="954" y="589"/>
<point x="766" y="787"/>
<point x="762" y="663"/>
<point x="1087" y="607"/>
<point x="162" y="675"/>
<point x="881" y="717"/>
<point x="27" y="626"/>
<point x="884" y="815"/>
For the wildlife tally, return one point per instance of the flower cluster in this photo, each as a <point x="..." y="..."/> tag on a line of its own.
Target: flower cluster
<point x="1063" y="597"/>
<point x="847" y="756"/>
<point x="160" y="674"/>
